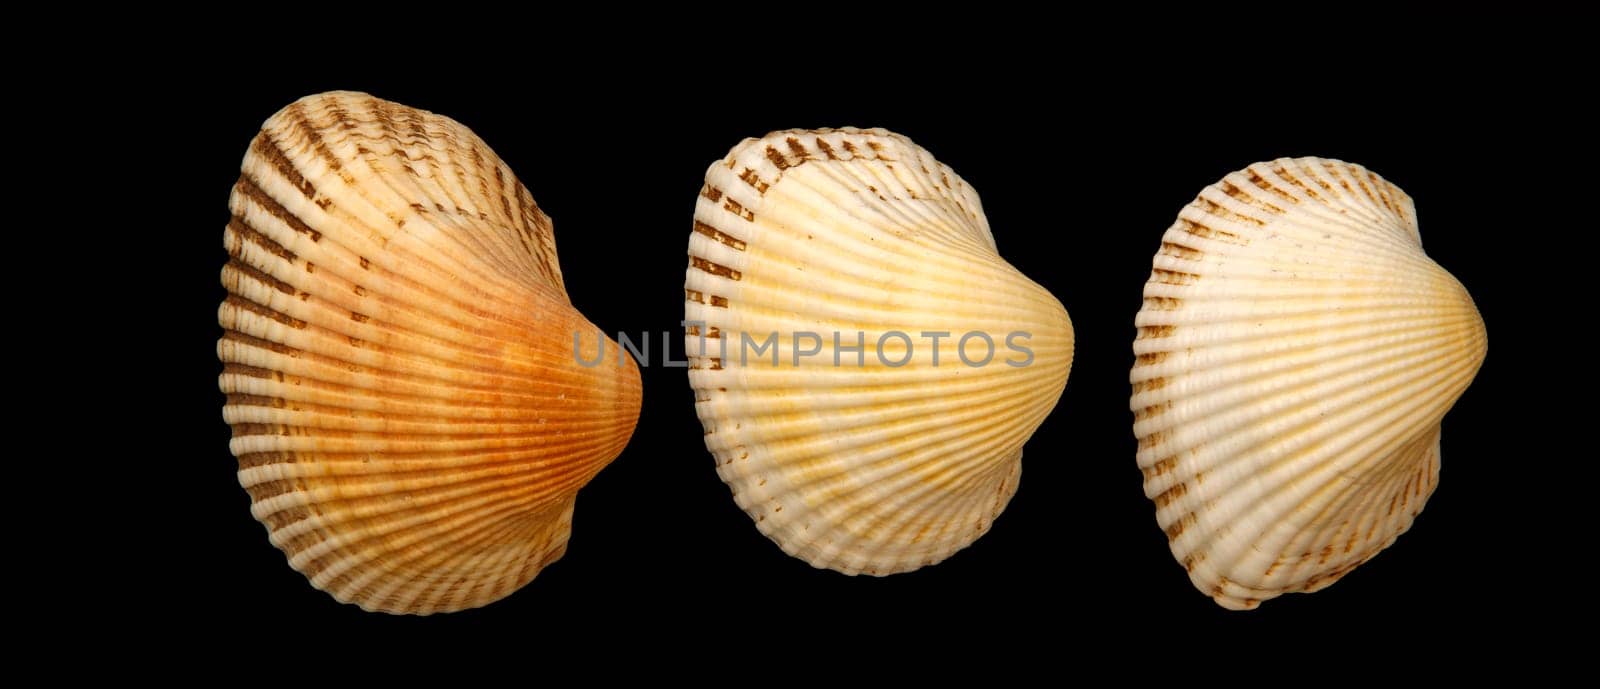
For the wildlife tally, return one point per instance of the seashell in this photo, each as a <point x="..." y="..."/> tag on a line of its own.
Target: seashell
<point x="409" y="418"/>
<point x="886" y="458"/>
<point x="1296" y="353"/>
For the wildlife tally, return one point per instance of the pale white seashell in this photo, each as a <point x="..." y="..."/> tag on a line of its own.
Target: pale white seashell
<point x="408" y="416"/>
<point x="862" y="468"/>
<point x="1296" y="353"/>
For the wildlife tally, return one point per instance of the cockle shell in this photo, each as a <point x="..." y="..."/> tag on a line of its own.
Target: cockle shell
<point x="864" y="466"/>
<point x="409" y="417"/>
<point x="1296" y="353"/>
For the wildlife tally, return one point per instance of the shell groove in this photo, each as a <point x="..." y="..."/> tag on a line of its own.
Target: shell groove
<point x="1296" y="353"/>
<point x="843" y="458"/>
<point x="408" y="416"/>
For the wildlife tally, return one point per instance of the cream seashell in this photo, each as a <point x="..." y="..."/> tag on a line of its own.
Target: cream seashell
<point x="862" y="467"/>
<point x="408" y="416"/>
<point x="1296" y="353"/>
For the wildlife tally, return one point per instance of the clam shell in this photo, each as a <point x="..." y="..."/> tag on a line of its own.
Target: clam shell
<point x="1296" y="352"/>
<point x="409" y="418"/>
<point x="862" y="466"/>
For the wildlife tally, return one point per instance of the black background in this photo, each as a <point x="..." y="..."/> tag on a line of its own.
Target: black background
<point x="1082" y="159"/>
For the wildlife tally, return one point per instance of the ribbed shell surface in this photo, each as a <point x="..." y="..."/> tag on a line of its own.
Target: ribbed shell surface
<point x="1295" y="355"/>
<point x="408" y="414"/>
<point x="866" y="457"/>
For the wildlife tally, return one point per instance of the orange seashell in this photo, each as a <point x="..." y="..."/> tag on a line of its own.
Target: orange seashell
<point x="408" y="414"/>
